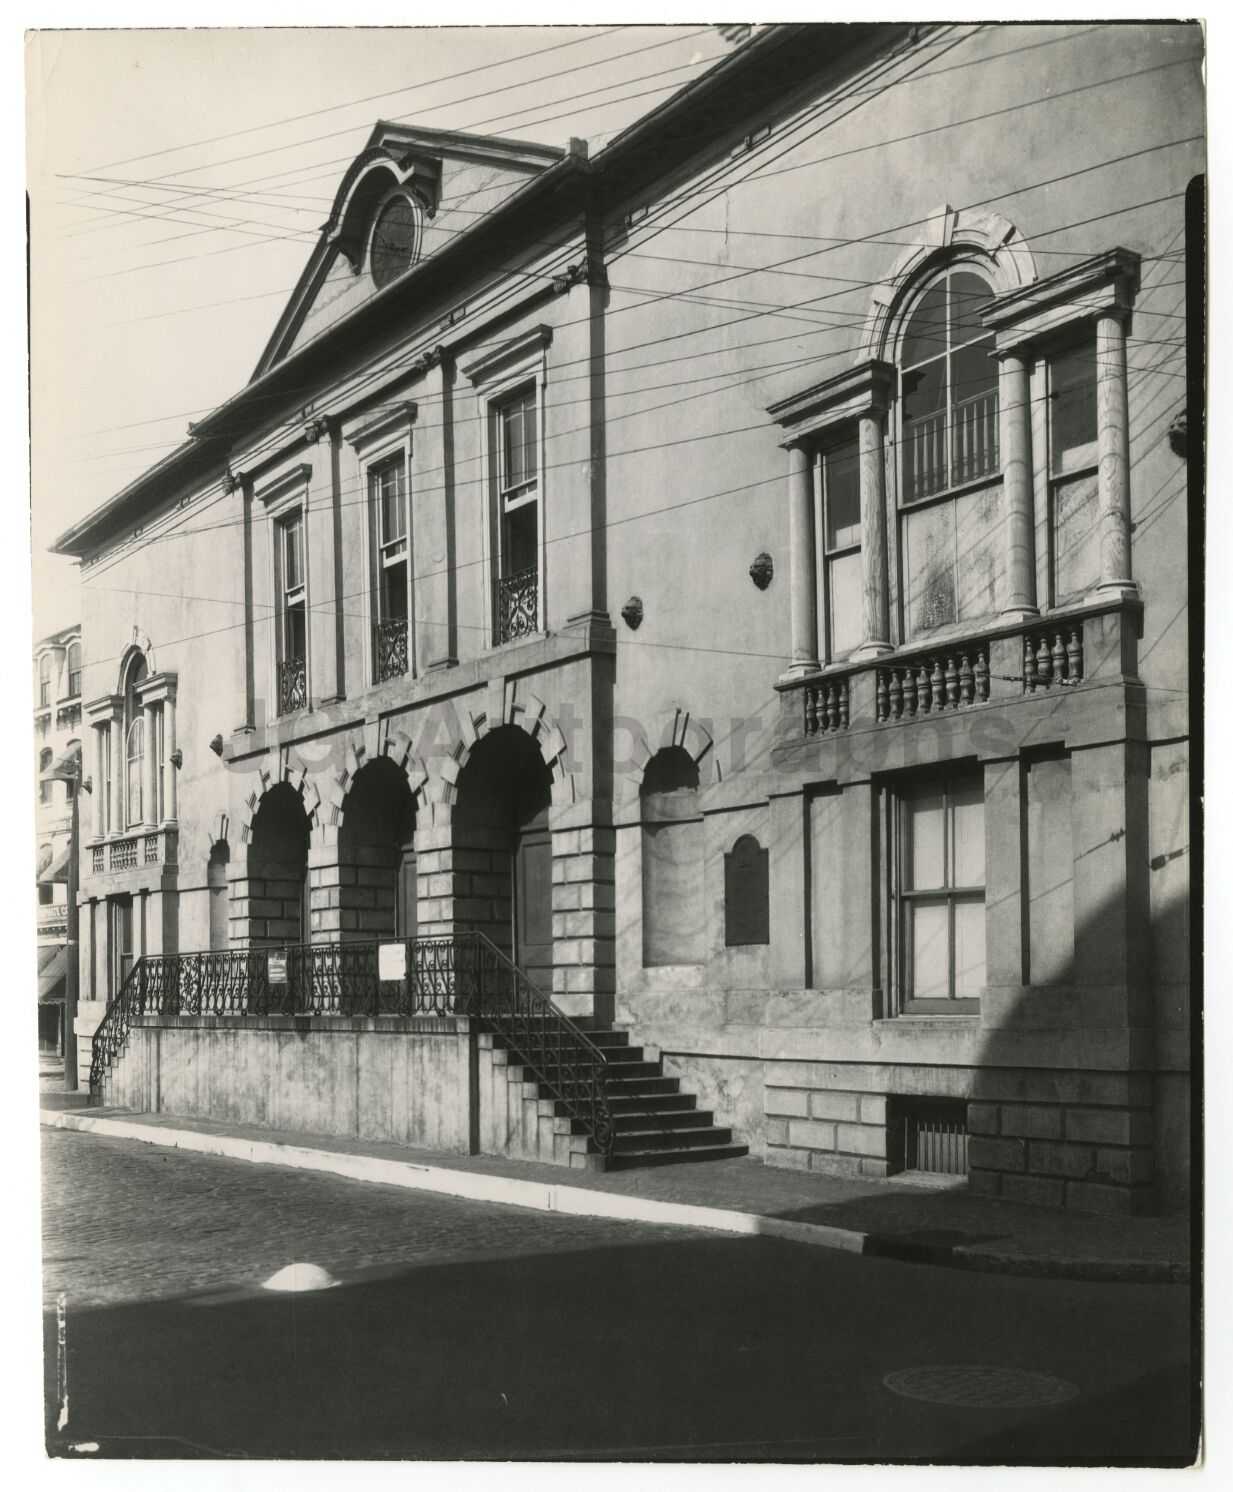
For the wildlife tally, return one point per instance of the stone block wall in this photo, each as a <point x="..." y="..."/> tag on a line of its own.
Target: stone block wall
<point x="583" y="917"/>
<point x="266" y="906"/>
<point x="1053" y="1139"/>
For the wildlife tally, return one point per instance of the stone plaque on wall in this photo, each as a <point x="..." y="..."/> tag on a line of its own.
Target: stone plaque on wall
<point x="747" y="893"/>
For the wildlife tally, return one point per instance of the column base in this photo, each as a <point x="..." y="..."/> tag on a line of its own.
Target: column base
<point x="870" y="650"/>
<point x="1124" y="590"/>
<point x="802" y="670"/>
<point x="1019" y="614"/>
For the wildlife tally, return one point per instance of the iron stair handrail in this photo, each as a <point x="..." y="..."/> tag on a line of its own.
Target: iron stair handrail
<point x="506" y="1000"/>
<point x="112" y="1031"/>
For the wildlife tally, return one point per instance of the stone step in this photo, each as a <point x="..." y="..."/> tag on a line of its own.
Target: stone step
<point x="631" y="1140"/>
<point x="629" y="1160"/>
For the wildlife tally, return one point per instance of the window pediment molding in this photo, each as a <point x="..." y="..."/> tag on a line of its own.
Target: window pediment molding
<point x="1104" y="283"/>
<point x="866" y="389"/>
<point x="292" y="482"/>
<point x="104" y="709"/>
<point x="500" y="360"/>
<point x="379" y="428"/>
<point x="157" y="688"/>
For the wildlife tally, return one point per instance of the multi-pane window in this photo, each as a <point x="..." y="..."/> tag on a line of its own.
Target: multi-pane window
<point x="388" y="491"/>
<point x="517" y="482"/>
<point x="134" y="756"/>
<point x="74" y="670"/>
<point x="45" y="784"/>
<point x="293" y="615"/>
<point x="1073" y="533"/>
<point x="951" y="537"/>
<point x="941" y="893"/>
<point x="839" y="475"/>
<point x="44" y="681"/>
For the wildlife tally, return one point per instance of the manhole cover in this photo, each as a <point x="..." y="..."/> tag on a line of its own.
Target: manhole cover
<point x="980" y="1388"/>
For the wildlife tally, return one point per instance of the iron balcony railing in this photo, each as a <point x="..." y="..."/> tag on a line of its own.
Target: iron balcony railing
<point x="463" y="973"/>
<point x="292" y="685"/>
<point x="516" y="605"/>
<point x="390" y="649"/>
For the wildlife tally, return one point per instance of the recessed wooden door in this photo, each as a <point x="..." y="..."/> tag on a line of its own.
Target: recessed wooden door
<point x="533" y="905"/>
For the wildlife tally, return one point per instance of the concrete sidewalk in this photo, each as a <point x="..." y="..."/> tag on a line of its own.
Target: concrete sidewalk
<point x="892" y="1219"/>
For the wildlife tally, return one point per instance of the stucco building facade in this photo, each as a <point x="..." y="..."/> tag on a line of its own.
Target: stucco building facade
<point x="57" y="734"/>
<point x="743" y="574"/>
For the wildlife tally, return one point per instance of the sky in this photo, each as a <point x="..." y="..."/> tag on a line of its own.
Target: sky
<point x="177" y="182"/>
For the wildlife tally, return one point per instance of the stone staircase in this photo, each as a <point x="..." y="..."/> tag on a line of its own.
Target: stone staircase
<point x="656" y="1123"/>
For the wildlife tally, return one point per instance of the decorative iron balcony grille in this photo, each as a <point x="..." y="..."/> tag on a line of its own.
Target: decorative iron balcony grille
<point x="390" y="648"/>
<point x="292" y="685"/>
<point x="516" y="608"/>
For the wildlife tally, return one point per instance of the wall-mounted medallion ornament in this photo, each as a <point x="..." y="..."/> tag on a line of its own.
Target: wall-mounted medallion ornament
<point x="632" y="612"/>
<point x="762" y="571"/>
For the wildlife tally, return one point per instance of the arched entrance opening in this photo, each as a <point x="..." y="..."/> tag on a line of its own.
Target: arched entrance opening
<point x="376" y="855"/>
<point x="503" y="849"/>
<point x="278" y="870"/>
<point x="673" y="899"/>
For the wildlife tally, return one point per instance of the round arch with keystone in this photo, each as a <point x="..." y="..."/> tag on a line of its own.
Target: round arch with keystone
<point x="528" y="713"/>
<point x="678" y="729"/>
<point x="946" y="234"/>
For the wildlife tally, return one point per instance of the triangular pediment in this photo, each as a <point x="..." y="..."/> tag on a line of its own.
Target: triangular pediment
<point x="407" y="195"/>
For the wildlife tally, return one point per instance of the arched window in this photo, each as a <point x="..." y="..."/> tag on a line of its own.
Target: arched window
<point x="44" y="681"/>
<point x="950" y="474"/>
<point x="673" y="901"/>
<point x="216" y="883"/>
<point x="135" y="757"/>
<point x="135" y="743"/>
<point x="74" y="669"/>
<point x="45" y="784"/>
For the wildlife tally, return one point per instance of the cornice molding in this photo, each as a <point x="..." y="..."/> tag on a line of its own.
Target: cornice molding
<point x="866" y="389"/>
<point x="1106" y="283"/>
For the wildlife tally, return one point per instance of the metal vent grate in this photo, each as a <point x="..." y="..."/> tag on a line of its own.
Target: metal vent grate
<point x="931" y="1135"/>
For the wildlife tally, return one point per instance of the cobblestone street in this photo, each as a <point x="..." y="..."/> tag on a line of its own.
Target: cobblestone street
<point x="460" y="1329"/>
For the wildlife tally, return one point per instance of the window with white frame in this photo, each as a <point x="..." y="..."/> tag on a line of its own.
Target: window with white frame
<point x="74" y="670"/>
<point x="939" y="892"/>
<point x="515" y="436"/>
<point x="1074" y="554"/>
<point x="135" y="766"/>
<point x="44" y="681"/>
<point x="949" y="473"/>
<point x="387" y="481"/>
<point x="840" y="495"/>
<point x="292" y="614"/>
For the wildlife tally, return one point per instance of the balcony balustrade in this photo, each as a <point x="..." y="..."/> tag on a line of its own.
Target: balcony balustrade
<point x="136" y="851"/>
<point x="997" y="663"/>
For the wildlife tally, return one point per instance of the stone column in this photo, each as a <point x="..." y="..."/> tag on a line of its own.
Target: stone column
<point x="1016" y="438"/>
<point x="1113" y="453"/>
<point x="170" y="806"/>
<point x="149" y="767"/>
<point x="118" y="768"/>
<point x="801" y="543"/>
<point x="873" y="539"/>
<point x="99" y="785"/>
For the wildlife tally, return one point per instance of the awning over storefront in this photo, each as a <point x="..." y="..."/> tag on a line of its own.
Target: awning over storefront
<point x="57" y="870"/>
<point x="53" y="965"/>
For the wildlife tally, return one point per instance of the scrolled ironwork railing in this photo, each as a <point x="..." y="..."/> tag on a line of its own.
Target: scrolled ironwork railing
<point x="390" y="648"/>
<point x="516" y="605"/>
<point x="292" y="685"/>
<point x="460" y="974"/>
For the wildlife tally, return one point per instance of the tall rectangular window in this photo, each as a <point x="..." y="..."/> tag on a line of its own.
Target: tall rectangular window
<point x="44" y="681"/>
<point x="1074" y="553"/>
<point x="388" y="491"/>
<point x="74" y="670"/>
<point x="941" y="893"/>
<point x="293" y="615"/>
<point x="839" y="470"/>
<point x="517" y="481"/>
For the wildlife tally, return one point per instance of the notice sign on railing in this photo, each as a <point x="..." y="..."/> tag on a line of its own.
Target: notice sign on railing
<point x="276" y="968"/>
<point x="391" y="962"/>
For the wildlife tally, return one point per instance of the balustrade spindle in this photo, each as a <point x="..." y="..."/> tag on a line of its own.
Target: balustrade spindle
<point x="1059" y="657"/>
<point x="1074" y="654"/>
<point x="1044" y="663"/>
<point x="909" y="692"/>
<point x="967" y="682"/>
<point x="896" y="695"/>
<point x="982" y="676"/>
<point x="952" y="683"/>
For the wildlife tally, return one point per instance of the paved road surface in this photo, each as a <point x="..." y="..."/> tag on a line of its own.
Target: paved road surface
<point x="460" y="1329"/>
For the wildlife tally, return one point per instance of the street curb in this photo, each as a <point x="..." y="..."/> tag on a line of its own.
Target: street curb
<point x="481" y="1186"/>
